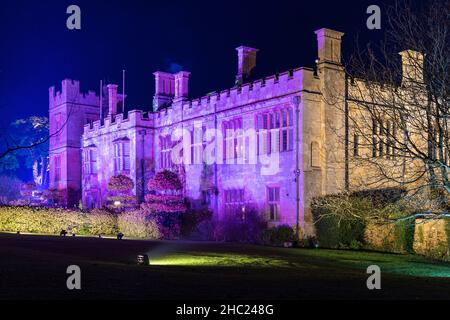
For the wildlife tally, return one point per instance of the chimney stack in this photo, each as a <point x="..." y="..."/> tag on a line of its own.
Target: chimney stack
<point x="112" y="99"/>
<point x="181" y="86"/>
<point x="246" y="63"/>
<point x="164" y="89"/>
<point x="329" y="45"/>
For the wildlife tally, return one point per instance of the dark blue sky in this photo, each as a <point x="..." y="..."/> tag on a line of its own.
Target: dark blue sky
<point x="38" y="51"/>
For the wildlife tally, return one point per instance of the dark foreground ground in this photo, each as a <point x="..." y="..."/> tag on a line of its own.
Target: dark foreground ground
<point x="34" y="267"/>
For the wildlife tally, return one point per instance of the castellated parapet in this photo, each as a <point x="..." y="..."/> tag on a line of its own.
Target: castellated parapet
<point x="135" y="119"/>
<point x="283" y="84"/>
<point x="70" y="93"/>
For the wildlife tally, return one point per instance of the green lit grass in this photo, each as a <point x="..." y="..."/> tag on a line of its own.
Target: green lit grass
<point x="279" y="258"/>
<point x="218" y="260"/>
<point x="392" y="263"/>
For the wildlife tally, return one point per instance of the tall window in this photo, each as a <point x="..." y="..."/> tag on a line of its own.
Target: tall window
<point x="58" y="126"/>
<point x="383" y="141"/>
<point x="122" y="157"/>
<point x="57" y="168"/>
<point x="90" y="161"/>
<point x="275" y="131"/>
<point x="234" y="201"/>
<point x="166" y="152"/>
<point x="198" y="144"/>
<point x="287" y="130"/>
<point x="234" y="139"/>
<point x="374" y="138"/>
<point x="273" y="201"/>
<point x="263" y="136"/>
<point x="355" y="145"/>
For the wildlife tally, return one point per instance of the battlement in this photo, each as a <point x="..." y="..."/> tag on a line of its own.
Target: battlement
<point x="135" y="118"/>
<point x="70" y="93"/>
<point x="278" y="85"/>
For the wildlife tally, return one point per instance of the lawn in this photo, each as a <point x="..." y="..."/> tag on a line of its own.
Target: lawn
<point x="34" y="267"/>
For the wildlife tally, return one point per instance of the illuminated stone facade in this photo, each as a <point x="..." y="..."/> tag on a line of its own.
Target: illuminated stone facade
<point x="298" y="153"/>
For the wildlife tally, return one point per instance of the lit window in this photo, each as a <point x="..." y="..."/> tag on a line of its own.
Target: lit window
<point x="122" y="157"/>
<point x="234" y="201"/>
<point x="198" y="144"/>
<point x="57" y="168"/>
<point x="166" y="152"/>
<point x="273" y="201"/>
<point x="275" y="131"/>
<point x="234" y="139"/>
<point x="58" y="126"/>
<point x="90" y="161"/>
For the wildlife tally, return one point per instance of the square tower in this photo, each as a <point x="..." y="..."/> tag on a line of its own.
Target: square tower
<point x="69" y="111"/>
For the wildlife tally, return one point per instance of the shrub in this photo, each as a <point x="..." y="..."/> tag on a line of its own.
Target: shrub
<point x="307" y="242"/>
<point x="334" y="233"/>
<point x="169" y="224"/>
<point x="165" y="194"/>
<point x="278" y="235"/>
<point x="205" y="231"/>
<point x="120" y="190"/>
<point x="138" y="225"/>
<point x="193" y="223"/>
<point x="236" y="229"/>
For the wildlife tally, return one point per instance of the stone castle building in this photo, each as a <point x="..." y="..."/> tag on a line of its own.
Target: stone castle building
<point x="299" y="156"/>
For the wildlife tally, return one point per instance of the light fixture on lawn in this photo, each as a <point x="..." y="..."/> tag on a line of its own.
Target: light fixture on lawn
<point x="74" y="235"/>
<point x="117" y="203"/>
<point x="120" y="236"/>
<point x="63" y="233"/>
<point x="143" y="260"/>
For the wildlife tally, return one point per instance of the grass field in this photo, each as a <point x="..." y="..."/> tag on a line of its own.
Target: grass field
<point x="34" y="267"/>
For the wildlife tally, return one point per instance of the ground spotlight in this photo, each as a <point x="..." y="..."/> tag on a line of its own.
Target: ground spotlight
<point x="18" y="232"/>
<point x="143" y="260"/>
<point x="74" y="235"/>
<point x="120" y="236"/>
<point x="63" y="233"/>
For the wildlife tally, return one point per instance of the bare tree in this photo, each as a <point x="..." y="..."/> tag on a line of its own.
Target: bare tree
<point x="397" y="109"/>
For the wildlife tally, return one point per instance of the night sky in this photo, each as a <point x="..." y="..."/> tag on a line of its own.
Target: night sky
<point x="38" y="51"/>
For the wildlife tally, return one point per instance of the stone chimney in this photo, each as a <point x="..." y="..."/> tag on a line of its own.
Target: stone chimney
<point x="412" y="66"/>
<point x="181" y="86"/>
<point x="112" y="99"/>
<point x="329" y="45"/>
<point x="164" y="89"/>
<point x="246" y="63"/>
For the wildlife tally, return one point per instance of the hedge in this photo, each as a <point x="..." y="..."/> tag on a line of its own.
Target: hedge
<point x="339" y="234"/>
<point x="433" y="238"/>
<point x="397" y="237"/>
<point x="97" y="222"/>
